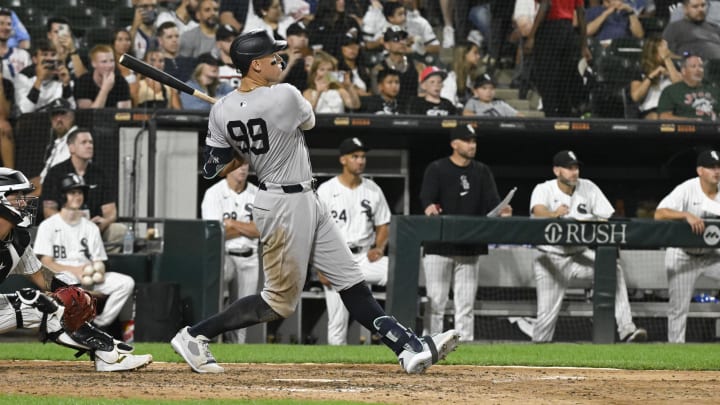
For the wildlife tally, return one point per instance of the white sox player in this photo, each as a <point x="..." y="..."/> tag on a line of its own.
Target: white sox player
<point x="569" y="196"/>
<point x="231" y="201"/>
<point x="67" y="242"/>
<point x="360" y="210"/>
<point x="687" y="202"/>
<point x="263" y="122"/>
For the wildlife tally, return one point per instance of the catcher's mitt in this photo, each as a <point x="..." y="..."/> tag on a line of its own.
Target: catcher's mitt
<point x="79" y="306"/>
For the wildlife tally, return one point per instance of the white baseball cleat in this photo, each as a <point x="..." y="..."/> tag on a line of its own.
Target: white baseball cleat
<point x="196" y="352"/>
<point x="125" y="362"/>
<point x="435" y="348"/>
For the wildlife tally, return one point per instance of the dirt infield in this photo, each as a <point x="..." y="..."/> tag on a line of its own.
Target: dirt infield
<point x="371" y="383"/>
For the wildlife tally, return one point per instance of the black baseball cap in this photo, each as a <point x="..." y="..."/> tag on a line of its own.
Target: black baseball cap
<point x="565" y="158"/>
<point x="226" y="31"/>
<point x="59" y="105"/>
<point x="483" y="80"/>
<point x="297" y="28"/>
<point x="464" y="132"/>
<point x="350" y="37"/>
<point x="395" y="33"/>
<point x="708" y="158"/>
<point x="208" y="59"/>
<point x="351" y="145"/>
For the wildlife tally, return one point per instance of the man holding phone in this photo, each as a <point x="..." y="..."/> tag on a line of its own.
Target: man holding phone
<point x="46" y="80"/>
<point x="60" y="36"/>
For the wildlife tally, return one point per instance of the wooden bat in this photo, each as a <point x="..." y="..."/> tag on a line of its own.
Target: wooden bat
<point x="146" y="70"/>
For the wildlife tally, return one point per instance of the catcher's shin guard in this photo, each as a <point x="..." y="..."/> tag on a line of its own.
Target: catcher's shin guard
<point x="396" y="336"/>
<point x="36" y="299"/>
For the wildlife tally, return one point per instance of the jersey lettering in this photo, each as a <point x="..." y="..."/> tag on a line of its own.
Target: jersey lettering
<point x="367" y="210"/>
<point x="59" y="252"/>
<point x="253" y="136"/>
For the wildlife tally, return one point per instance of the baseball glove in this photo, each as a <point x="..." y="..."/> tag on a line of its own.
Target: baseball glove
<point x="79" y="306"/>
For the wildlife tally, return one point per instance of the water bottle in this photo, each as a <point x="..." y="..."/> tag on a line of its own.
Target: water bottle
<point x="128" y="241"/>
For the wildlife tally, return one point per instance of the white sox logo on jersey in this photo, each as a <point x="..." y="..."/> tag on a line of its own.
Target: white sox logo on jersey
<point x="368" y="210"/>
<point x="585" y="233"/>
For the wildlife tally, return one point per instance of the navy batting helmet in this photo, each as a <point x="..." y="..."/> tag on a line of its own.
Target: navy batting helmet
<point x="72" y="181"/>
<point x="253" y="45"/>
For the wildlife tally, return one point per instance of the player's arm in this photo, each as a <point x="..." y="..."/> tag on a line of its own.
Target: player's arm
<point x="696" y="223"/>
<point x="541" y="211"/>
<point x="430" y="191"/>
<point x="382" y="233"/>
<point x="50" y="263"/>
<point x="235" y="229"/>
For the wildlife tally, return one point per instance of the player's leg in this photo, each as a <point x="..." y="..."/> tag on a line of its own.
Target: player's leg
<point x="682" y="272"/>
<point x="627" y="330"/>
<point x="464" y="289"/>
<point x="332" y="257"/>
<point x="16" y="315"/>
<point x="551" y="283"/>
<point x="118" y="288"/>
<point x="338" y="317"/>
<point x="438" y="275"/>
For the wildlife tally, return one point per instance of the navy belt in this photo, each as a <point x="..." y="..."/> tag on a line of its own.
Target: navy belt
<point x="287" y="189"/>
<point x="240" y="253"/>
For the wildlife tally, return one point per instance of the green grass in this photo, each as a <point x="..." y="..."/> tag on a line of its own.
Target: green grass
<point x="632" y="357"/>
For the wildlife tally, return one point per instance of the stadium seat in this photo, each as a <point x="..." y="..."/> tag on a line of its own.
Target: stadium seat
<point x="37" y="32"/>
<point x="15" y="4"/>
<point x="120" y="17"/>
<point x="106" y="6"/>
<point x="81" y="17"/>
<point x="712" y="71"/>
<point x="653" y="25"/>
<point x="612" y="75"/>
<point x="30" y="15"/>
<point x="98" y="35"/>
<point x="630" y="48"/>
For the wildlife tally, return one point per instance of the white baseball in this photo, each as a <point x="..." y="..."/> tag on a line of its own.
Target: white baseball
<point x="99" y="267"/>
<point x="88" y="270"/>
<point x="86" y="281"/>
<point x="98" y="277"/>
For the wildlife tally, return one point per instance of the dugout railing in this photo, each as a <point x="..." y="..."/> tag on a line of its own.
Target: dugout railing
<point x="408" y="232"/>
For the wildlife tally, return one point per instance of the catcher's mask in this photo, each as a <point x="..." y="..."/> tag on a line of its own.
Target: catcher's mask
<point x="15" y="205"/>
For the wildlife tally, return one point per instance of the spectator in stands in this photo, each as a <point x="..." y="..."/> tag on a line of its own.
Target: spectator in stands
<point x="122" y="44"/>
<point x="523" y="18"/>
<point x="201" y="39"/>
<point x="47" y="79"/>
<point x="59" y="33"/>
<point x="484" y="103"/>
<point x="658" y="72"/>
<point x="386" y="101"/>
<point x="227" y="72"/>
<point x="142" y="30"/>
<point x="62" y="124"/>
<point x="431" y="103"/>
<point x="295" y="56"/>
<point x="421" y="37"/>
<point x="68" y="241"/>
<point x="447" y="10"/>
<point x="183" y="16"/>
<point x="234" y="13"/>
<point x="271" y="18"/>
<point x="684" y="266"/>
<point x="230" y="200"/>
<point x="332" y="18"/>
<point x="554" y="46"/>
<point x="205" y="78"/>
<point x="152" y="94"/>
<point x="330" y="90"/>
<point x="456" y="185"/>
<point x="612" y="20"/>
<point x="359" y="209"/>
<point x="690" y="98"/>
<point x="104" y="87"/>
<point x="693" y="33"/>
<point x="20" y="37"/>
<point x="396" y="44"/>
<point x="101" y="200"/>
<point x="458" y="87"/>
<point x="14" y="59"/>
<point x="352" y="61"/>
<point x="571" y="197"/>
<point x="169" y="44"/>
<point x="7" y="141"/>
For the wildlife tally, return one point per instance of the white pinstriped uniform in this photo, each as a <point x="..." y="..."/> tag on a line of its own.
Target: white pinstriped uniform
<point x="263" y="125"/>
<point x="70" y="245"/>
<point x="24" y="264"/>
<point x="356" y="212"/>
<point x="241" y="274"/>
<point x="684" y="266"/>
<point x="557" y="265"/>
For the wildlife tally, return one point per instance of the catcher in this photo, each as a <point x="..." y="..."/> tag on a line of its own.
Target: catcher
<point x="63" y="315"/>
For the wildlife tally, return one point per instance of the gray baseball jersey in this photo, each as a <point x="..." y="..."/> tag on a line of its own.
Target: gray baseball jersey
<point x="684" y="266"/>
<point x="258" y="125"/>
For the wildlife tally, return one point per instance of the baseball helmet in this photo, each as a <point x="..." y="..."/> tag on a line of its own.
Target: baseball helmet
<point x="253" y="45"/>
<point x="15" y="206"/>
<point x="72" y="181"/>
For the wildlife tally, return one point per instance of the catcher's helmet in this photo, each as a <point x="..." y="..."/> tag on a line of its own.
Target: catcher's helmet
<point x="253" y="45"/>
<point x="15" y="206"/>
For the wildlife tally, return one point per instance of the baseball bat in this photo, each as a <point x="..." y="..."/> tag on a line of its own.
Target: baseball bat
<point x="144" y="69"/>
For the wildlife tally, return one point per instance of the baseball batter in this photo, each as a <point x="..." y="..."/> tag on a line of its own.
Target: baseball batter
<point x="361" y="212"/>
<point x="263" y="122"/>
<point x="687" y="202"/>
<point x="231" y="201"/>
<point x="30" y="308"/>
<point x="569" y="196"/>
<point x="67" y="242"/>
